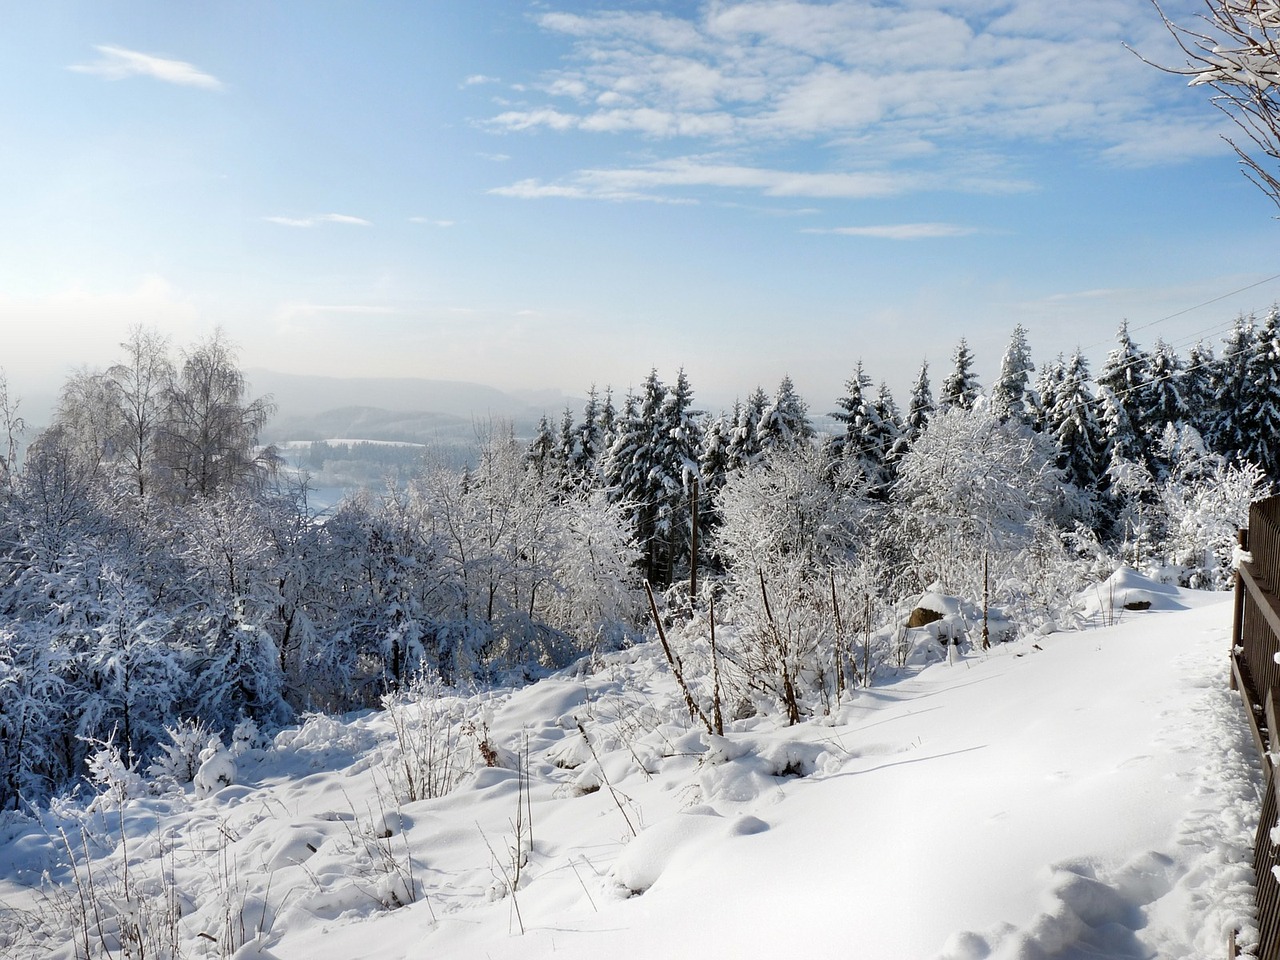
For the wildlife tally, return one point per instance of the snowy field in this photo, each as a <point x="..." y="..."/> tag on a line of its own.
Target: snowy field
<point x="1084" y="794"/>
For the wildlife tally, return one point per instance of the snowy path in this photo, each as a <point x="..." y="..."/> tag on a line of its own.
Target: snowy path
<point x="1090" y="798"/>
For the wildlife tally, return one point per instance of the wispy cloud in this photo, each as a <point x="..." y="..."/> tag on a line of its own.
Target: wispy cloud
<point x="656" y="182"/>
<point x="117" y="63"/>
<point x="893" y="86"/>
<point x="318" y="219"/>
<point x="476" y="79"/>
<point x="434" y="223"/>
<point x="899" y="231"/>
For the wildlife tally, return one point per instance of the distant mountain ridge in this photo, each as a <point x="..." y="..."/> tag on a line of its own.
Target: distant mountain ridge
<point x="388" y="408"/>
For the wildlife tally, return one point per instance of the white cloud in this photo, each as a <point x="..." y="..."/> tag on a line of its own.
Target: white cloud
<point x="656" y="181"/>
<point x="900" y="231"/>
<point x="434" y="223"/>
<point x="876" y="81"/>
<point x="116" y="63"/>
<point x="479" y="78"/>
<point x="306" y="222"/>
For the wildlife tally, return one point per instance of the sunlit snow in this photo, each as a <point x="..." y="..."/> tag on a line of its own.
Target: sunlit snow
<point x="1082" y="794"/>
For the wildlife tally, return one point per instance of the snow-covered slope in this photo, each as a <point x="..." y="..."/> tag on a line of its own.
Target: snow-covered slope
<point x="1087" y="794"/>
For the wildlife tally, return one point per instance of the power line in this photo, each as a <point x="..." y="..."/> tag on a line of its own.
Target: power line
<point x="1208" y="302"/>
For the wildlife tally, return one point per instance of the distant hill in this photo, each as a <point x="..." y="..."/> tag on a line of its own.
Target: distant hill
<point x="389" y="408"/>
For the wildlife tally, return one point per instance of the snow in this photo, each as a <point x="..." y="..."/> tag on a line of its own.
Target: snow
<point x="1087" y="793"/>
<point x="1128" y="589"/>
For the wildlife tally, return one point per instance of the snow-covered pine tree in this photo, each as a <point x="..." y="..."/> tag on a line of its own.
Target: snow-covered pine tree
<point x="590" y="440"/>
<point x="677" y="443"/>
<point x="1123" y="441"/>
<point x="1259" y="414"/>
<point x="856" y="413"/>
<point x="872" y="433"/>
<point x="1229" y="383"/>
<point x="649" y="467"/>
<point x="920" y="407"/>
<point x="1166" y="394"/>
<point x="566" y="447"/>
<point x="713" y="459"/>
<point x="960" y="388"/>
<point x="540" y="456"/>
<point x="784" y="424"/>
<point x="1125" y="384"/>
<point x="1073" y="422"/>
<point x="1048" y="386"/>
<point x="892" y="432"/>
<point x="1197" y="388"/>
<point x="744" y="445"/>
<point x="1012" y="396"/>
<point x="608" y="422"/>
<point x="630" y="460"/>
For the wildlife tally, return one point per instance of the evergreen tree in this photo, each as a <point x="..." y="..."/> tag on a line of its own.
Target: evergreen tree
<point x="1072" y="420"/>
<point x="1122" y="438"/>
<point x="1229" y="384"/>
<point x="1125" y="386"/>
<point x="1048" y="388"/>
<point x="961" y="388"/>
<point x="1166" y="395"/>
<point x="856" y="412"/>
<point x="1012" y="397"/>
<point x="920" y="407"/>
<point x="744" y="446"/>
<point x="650" y="467"/>
<point x="1198" y="387"/>
<point x="784" y="424"/>
<point x="590" y="439"/>
<point x="1259" y="415"/>
<point x="608" y="422"/>
<point x="566" y="452"/>
<point x="890" y="436"/>
<point x="677" y="444"/>
<point x="869" y="439"/>
<point x="713" y="461"/>
<point x="540" y="456"/>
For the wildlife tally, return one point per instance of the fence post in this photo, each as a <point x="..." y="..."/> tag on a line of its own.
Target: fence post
<point x="1237" y="614"/>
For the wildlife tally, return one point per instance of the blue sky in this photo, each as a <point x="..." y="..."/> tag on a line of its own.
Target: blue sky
<point x="554" y="194"/>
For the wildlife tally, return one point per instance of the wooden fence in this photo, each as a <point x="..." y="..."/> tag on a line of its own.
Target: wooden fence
<point x="1255" y="643"/>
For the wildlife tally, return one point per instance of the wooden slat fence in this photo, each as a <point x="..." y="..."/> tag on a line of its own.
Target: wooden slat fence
<point x="1255" y="641"/>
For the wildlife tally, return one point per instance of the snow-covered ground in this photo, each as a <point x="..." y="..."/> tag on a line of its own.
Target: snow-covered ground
<point x="1082" y="794"/>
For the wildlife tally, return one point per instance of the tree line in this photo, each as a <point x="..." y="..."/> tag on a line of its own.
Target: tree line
<point x="157" y="567"/>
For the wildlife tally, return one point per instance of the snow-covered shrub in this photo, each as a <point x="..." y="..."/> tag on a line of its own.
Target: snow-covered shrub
<point x="979" y="506"/>
<point x="246" y="738"/>
<point x="790" y="529"/>
<point x="217" y="768"/>
<point x="116" y="779"/>
<point x="1202" y="517"/>
<point x="179" y="759"/>
<point x="436" y="742"/>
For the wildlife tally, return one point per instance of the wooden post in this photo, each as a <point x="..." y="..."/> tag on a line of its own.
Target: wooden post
<point x="1237" y="614"/>
<point x="693" y="551"/>
<point x="716" y="716"/>
<point x="866" y="644"/>
<point x="986" y="602"/>
<point x="835" y="609"/>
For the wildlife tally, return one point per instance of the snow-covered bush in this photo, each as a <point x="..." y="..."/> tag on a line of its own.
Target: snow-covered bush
<point x="116" y="779"/>
<point x="979" y="506"/>
<point x="217" y="768"/>
<point x="791" y="528"/>
<point x="178" y="760"/>
<point x="1202" y="517"/>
